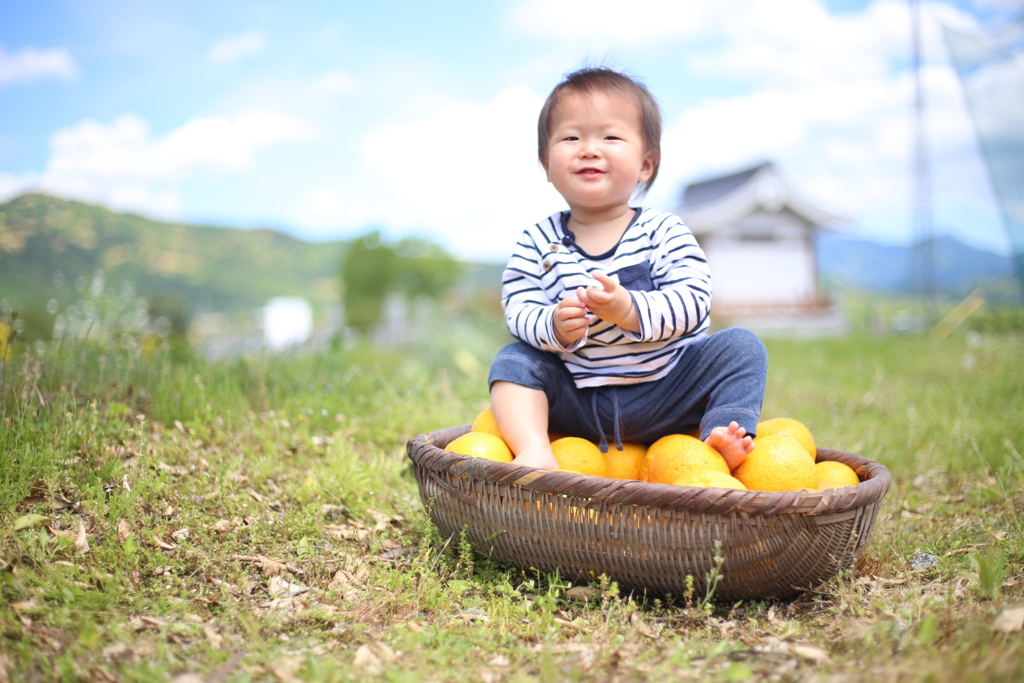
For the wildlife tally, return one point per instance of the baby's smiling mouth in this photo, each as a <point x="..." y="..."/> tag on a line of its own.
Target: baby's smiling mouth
<point x="589" y="171"/>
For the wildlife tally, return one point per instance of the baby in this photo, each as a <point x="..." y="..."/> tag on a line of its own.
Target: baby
<point x="610" y="303"/>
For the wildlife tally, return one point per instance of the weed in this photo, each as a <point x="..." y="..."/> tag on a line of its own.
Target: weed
<point x="297" y="465"/>
<point x="705" y="603"/>
<point x="990" y="571"/>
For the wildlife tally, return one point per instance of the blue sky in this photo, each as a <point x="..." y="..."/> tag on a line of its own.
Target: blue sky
<point x="324" y="119"/>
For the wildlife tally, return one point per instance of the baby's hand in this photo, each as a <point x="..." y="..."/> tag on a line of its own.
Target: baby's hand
<point x="609" y="302"/>
<point x="570" y="320"/>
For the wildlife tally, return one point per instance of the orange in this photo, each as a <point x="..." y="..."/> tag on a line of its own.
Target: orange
<point x="625" y="464"/>
<point x="673" y="455"/>
<point x="481" y="445"/>
<point x="709" y="479"/>
<point x="580" y="455"/>
<point x="645" y="466"/>
<point x="485" y="422"/>
<point x="777" y="463"/>
<point x="787" y="426"/>
<point x="832" y="474"/>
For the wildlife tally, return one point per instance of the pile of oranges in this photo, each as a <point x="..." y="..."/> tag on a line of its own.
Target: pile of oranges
<point x="784" y="458"/>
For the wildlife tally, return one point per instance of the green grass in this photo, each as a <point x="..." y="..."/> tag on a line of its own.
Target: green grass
<point x="204" y="487"/>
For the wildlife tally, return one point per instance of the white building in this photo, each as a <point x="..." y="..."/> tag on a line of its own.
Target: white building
<point x="759" y="238"/>
<point x="287" y="322"/>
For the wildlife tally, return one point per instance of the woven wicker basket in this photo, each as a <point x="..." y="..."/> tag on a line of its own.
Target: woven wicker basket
<point x="649" y="537"/>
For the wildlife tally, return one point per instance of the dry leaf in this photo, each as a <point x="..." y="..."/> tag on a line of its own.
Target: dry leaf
<point x="5" y="662"/>
<point x="82" y="542"/>
<point x="333" y="511"/>
<point x="345" y="532"/>
<point x="297" y="605"/>
<point x="269" y="567"/>
<point x="172" y="469"/>
<point x="216" y="639"/>
<point x="284" y="675"/>
<point x="164" y="544"/>
<point x="62" y="503"/>
<point x="279" y="588"/>
<point x="102" y="675"/>
<point x="583" y="593"/>
<point x="181" y="534"/>
<point x="564" y="623"/>
<point x="809" y="652"/>
<point x="141" y="623"/>
<point x="123" y="531"/>
<point x="30" y="521"/>
<point x="474" y="614"/>
<point x="1010" y="621"/>
<point x="343" y="579"/>
<point x="256" y="496"/>
<point x="115" y="651"/>
<point x="222" y="526"/>
<point x="372" y="656"/>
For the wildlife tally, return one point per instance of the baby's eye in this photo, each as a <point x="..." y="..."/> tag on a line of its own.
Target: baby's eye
<point x="612" y="137"/>
<point x="572" y="138"/>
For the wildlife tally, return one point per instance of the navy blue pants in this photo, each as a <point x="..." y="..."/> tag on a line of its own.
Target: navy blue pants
<point x="719" y="379"/>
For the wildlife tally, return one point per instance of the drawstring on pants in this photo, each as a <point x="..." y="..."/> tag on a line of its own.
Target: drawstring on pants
<point x="603" y="442"/>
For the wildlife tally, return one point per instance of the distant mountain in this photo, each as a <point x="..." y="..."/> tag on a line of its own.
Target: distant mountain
<point x="49" y="247"/>
<point x="870" y="266"/>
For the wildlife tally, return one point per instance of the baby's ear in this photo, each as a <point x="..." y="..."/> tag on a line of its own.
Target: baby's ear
<point x="646" y="167"/>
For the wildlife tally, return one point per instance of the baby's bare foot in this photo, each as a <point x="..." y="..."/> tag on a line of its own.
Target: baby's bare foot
<point x="537" y="457"/>
<point x="732" y="442"/>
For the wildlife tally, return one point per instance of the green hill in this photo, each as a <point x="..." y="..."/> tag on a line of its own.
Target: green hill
<point x="51" y="248"/>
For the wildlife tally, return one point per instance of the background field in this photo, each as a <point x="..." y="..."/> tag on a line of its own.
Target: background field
<point x="163" y="517"/>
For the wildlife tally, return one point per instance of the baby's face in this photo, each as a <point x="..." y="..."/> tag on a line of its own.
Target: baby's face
<point x="596" y="152"/>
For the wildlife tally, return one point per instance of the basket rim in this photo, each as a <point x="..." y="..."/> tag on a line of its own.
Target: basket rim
<point x="427" y="452"/>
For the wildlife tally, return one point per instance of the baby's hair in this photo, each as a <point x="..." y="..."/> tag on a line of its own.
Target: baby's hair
<point x="602" y="79"/>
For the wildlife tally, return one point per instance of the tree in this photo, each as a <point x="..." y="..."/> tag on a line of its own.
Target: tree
<point x="426" y="269"/>
<point x="368" y="275"/>
<point x="371" y="270"/>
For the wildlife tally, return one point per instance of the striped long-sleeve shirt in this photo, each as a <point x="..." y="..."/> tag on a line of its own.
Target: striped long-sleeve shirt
<point x="657" y="260"/>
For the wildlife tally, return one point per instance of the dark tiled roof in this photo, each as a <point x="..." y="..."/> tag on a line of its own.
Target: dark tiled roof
<point x="710" y="190"/>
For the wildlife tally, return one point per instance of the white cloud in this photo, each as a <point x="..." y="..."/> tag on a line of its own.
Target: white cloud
<point x="123" y="165"/>
<point x="607" y="23"/>
<point x="799" y="42"/>
<point x="326" y="209"/>
<point x="231" y="49"/>
<point x="789" y="43"/>
<point x="1007" y="5"/>
<point x="335" y="82"/>
<point x="846" y="147"/>
<point x="466" y="176"/>
<point x="31" y="64"/>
